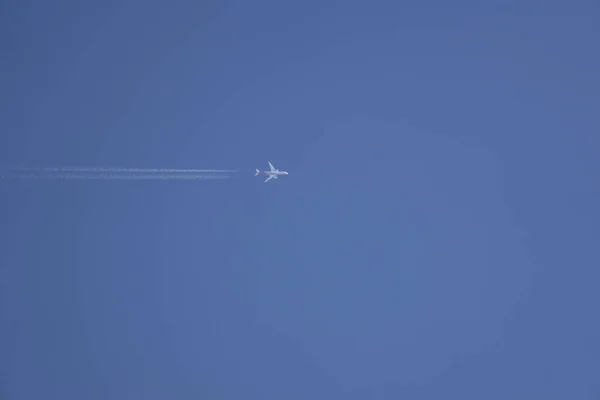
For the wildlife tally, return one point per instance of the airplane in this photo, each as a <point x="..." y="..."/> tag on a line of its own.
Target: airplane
<point x="273" y="173"/>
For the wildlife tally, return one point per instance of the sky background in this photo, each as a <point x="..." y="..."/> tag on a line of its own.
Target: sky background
<point x="437" y="237"/>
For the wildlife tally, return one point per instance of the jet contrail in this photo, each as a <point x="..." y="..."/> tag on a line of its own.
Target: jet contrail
<point x="110" y="173"/>
<point x="113" y="169"/>
<point x="167" y="177"/>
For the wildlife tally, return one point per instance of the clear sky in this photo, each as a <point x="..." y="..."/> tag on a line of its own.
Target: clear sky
<point x="437" y="237"/>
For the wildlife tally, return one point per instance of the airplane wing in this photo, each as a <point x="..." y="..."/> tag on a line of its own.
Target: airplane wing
<point x="269" y="178"/>
<point x="271" y="166"/>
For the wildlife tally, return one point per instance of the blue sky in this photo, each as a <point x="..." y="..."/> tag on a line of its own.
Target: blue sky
<point x="437" y="236"/>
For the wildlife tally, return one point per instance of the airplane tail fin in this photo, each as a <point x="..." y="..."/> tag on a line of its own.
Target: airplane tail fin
<point x="257" y="172"/>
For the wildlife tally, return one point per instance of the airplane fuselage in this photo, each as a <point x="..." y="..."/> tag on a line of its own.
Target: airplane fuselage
<point x="275" y="173"/>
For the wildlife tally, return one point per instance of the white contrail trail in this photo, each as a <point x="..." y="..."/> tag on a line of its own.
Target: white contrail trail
<point x="111" y="173"/>
<point x="88" y="176"/>
<point x="132" y="170"/>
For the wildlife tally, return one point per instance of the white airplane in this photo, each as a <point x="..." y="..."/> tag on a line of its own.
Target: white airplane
<point x="273" y="173"/>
